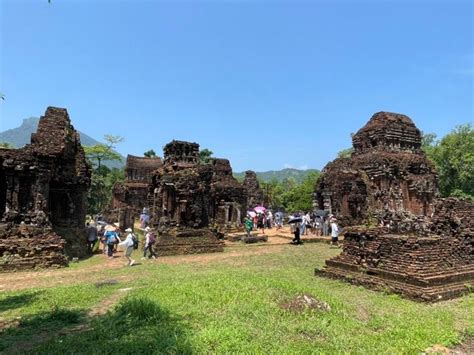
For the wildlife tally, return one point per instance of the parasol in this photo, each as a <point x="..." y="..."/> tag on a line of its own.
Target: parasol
<point x="251" y="213"/>
<point x="321" y="213"/>
<point x="295" y="220"/>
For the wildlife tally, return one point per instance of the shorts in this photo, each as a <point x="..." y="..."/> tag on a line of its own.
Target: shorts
<point x="334" y="239"/>
<point x="129" y="251"/>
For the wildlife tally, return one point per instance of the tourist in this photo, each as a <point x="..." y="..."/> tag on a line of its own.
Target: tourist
<point x="326" y="227"/>
<point x="334" y="232"/>
<point x="144" y="218"/>
<point x="128" y="244"/>
<point x="278" y="220"/>
<point x="307" y="223"/>
<point x="91" y="231"/>
<point x="150" y="239"/>
<point x="296" y="239"/>
<point x="118" y="239"/>
<point x="261" y="222"/>
<point x="318" y="225"/>
<point x="248" y="225"/>
<point x="269" y="220"/>
<point x="111" y="240"/>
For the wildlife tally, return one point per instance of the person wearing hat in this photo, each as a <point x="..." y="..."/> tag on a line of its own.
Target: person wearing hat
<point x="149" y="242"/>
<point x="111" y="239"/>
<point x="128" y="244"/>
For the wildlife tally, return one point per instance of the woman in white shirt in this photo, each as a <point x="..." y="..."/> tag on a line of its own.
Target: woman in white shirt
<point x="128" y="245"/>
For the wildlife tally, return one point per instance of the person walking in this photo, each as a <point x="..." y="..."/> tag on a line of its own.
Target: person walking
<point x="261" y="222"/>
<point x="248" y="225"/>
<point x="326" y="227"/>
<point x="91" y="231"/>
<point x="150" y="239"/>
<point x="296" y="239"/>
<point x="269" y="220"/>
<point x="128" y="244"/>
<point x="111" y="240"/>
<point x="334" y="233"/>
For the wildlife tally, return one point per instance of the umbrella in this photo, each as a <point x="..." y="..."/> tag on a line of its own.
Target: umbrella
<point x="251" y="213"/>
<point x="295" y="220"/>
<point x="321" y="213"/>
<point x="260" y="209"/>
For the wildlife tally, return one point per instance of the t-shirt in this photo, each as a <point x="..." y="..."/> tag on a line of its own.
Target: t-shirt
<point x="334" y="230"/>
<point x="91" y="233"/>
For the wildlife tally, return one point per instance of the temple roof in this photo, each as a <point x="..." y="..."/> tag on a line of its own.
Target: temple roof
<point x="134" y="162"/>
<point x="388" y="131"/>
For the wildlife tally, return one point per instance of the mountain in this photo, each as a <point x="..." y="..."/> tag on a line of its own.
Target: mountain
<point x="280" y="175"/>
<point x="20" y="136"/>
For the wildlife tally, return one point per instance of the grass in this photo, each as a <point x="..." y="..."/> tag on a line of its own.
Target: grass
<point x="229" y="305"/>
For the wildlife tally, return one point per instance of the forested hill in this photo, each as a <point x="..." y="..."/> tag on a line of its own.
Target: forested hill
<point x="280" y="175"/>
<point x="20" y="136"/>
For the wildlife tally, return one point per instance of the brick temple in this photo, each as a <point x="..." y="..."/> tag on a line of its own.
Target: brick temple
<point x="43" y="189"/>
<point x="130" y="197"/>
<point x="191" y="200"/>
<point x="399" y="235"/>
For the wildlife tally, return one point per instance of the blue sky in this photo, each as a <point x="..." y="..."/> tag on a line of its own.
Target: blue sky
<point x="265" y="84"/>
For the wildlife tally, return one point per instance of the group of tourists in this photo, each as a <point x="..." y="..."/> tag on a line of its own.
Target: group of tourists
<point x="317" y="224"/>
<point x="109" y="235"/>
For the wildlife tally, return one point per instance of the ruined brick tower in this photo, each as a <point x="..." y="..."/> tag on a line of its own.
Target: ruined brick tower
<point x="387" y="171"/>
<point x="43" y="189"/>
<point x="189" y="198"/>
<point x="130" y="197"/>
<point x="399" y="236"/>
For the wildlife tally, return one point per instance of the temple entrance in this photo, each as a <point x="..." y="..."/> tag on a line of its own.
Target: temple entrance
<point x="59" y="207"/>
<point x="24" y="194"/>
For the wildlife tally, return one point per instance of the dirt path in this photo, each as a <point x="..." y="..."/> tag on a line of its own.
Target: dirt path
<point x="49" y="278"/>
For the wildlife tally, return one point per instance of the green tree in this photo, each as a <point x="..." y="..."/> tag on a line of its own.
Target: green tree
<point x="272" y="194"/>
<point x="103" y="179"/>
<point x="6" y="145"/>
<point x="205" y="156"/>
<point x="96" y="154"/>
<point x="300" y="197"/>
<point x="453" y="156"/>
<point x="150" y="154"/>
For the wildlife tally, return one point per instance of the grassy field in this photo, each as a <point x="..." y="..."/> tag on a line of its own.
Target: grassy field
<point x="228" y="303"/>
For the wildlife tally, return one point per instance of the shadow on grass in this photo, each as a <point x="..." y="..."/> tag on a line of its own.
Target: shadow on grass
<point x="135" y="326"/>
<point x="13" y="302"/>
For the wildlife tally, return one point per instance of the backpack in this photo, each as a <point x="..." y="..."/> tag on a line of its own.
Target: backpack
<point x="109" y="237"/>
<point x="135" y="241"/>
<point x="152" y="239"/>
<point x="112" y="239"/>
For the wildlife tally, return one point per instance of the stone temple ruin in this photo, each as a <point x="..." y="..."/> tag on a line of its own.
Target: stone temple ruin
<point x="399" y="235"/>
<point x="255" y="193"/>
<point x="43" y="189"/>
<point x="131" y="196"/>
<point x="190" y="198"/>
